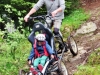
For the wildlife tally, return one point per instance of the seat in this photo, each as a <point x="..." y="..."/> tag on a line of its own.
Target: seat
<point x="40" y="28"/>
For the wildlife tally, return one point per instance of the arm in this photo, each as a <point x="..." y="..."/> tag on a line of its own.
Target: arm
<point x="34" y="9"/>
<point x="31" y="54"/>
<point x="60" y="9"/>
<point x="49" y="49"/>
<point x="30" y="13"/>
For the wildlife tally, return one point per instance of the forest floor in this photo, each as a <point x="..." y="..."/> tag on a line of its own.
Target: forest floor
<point x="86" y="43"/>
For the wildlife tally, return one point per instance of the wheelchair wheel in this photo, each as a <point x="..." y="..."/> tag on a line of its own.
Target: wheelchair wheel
<point x="22" y="72"/>
<point x="63" y="69"/>
<point x="72" y="45"/>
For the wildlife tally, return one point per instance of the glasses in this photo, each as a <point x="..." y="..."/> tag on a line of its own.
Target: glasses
<point x="39" y="41"/>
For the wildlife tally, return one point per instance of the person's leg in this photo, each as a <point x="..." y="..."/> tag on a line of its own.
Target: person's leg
<point x="43" y="60"/>
<point x="36" y="62"/>
<point x="57" y="25"/>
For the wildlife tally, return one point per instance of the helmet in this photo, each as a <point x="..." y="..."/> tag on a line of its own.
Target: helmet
<point x="40" y="37"/>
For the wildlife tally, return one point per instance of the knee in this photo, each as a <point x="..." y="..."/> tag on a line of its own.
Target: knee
<point x="35" y="64"/>
<point x="43" y="62"/>
<point x="56" y="31"/>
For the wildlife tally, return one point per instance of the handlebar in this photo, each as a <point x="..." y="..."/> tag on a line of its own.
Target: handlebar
<point x="41" y="18"/>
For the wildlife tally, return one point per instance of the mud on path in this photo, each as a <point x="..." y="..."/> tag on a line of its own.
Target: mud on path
<point x="86" y="43"/>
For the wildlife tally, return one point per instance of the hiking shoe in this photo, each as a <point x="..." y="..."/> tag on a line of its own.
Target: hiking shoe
<point x="40" y="67"/>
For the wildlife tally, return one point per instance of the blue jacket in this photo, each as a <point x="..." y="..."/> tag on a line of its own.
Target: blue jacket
<point x="40" y="50"/>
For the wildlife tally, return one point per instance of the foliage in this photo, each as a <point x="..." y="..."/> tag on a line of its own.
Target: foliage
<point x="93" y="65"/>
<point x="76" y="18"/>
<point x="94" y="58"/>
<point x="71" y="5"/>
<point x="14" y="51"/>
<point x="15" y="9"/>
<point x="73" y="21"/>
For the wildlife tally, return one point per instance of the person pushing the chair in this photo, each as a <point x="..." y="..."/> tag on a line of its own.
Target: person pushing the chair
<point x="55" y="8"/>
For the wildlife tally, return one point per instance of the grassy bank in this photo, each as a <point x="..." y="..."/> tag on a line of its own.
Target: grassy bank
<point x="14" y="51"/>
<point x="92" y="67"/>
<point x="74" y="21"/>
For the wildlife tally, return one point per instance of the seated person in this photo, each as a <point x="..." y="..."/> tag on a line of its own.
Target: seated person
<point x="40" y="52"/>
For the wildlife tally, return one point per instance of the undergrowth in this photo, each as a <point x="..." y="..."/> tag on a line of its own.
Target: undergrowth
<point x="14" y="51"/>
<point x="74" y="21"/>
<point x="92" y="67"/>
<point x="76" y="18"/>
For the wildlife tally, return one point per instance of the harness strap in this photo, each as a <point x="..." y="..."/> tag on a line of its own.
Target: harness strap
<point x="45" y="50"/>
<point x="36" y="51"/>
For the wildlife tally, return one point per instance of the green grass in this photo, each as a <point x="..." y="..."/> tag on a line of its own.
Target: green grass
<point x="74" y="20"/>
<point x="92" y="67"/>
<point x="13" y="55"/>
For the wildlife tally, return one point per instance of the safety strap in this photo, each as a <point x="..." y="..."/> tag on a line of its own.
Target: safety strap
<point x="36" y="51"/>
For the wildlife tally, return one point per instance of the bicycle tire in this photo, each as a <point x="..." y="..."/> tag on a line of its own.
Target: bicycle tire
<point x="72" y="45"/>
<point x="22" y="72"/>
<point x="62" y="68"/>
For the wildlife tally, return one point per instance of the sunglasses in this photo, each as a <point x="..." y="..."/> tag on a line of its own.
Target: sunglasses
<point x="39" y="41"/>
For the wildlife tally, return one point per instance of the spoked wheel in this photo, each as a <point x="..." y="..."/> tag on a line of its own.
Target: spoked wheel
<point x="72" y="45"/>
<point x="63" y="70"/>
<point x="22" y="72"/>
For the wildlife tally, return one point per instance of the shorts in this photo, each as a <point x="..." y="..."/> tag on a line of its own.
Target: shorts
<point x="56" y="23"/>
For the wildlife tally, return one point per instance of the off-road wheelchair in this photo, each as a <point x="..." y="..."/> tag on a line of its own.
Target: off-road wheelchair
<point x="57" y="44"/>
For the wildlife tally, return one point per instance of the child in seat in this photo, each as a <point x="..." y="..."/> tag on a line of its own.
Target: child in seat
<point x="40" y="52"/>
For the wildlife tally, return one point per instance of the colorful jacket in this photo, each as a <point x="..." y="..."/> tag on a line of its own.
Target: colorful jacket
<point x="40" y="50"/>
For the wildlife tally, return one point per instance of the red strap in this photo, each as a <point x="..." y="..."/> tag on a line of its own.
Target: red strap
<point x="35" y="50"/>
<point x="45" y="51"/>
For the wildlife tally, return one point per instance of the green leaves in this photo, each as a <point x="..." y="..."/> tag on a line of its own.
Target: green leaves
<point x="92" y="67"/>
<point x="76" y="18"/>
<point x="1" y="20"/>
<point x="14" y="51"/>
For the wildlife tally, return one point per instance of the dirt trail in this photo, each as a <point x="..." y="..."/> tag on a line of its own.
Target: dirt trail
<point x="87" y="43"/>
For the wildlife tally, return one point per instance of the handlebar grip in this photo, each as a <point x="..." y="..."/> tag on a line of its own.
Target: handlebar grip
<point x="30" y="19"/>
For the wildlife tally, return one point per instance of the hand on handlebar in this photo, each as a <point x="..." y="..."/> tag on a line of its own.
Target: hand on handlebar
<point x="26" y="18"/>
<point x="54" y="13"/>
